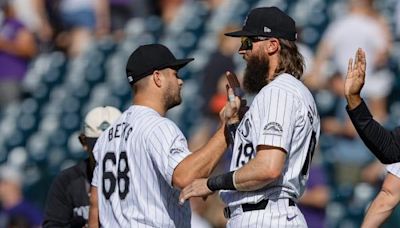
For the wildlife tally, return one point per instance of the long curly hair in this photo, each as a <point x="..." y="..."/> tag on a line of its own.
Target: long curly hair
<point x="290" y="59"/>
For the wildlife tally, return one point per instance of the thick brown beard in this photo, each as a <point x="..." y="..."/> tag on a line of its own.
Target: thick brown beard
<point x="256" y="73"/>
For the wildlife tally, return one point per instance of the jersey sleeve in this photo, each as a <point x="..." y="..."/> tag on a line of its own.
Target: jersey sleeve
<point x="277" y="115"/>
<point x="168" y="147"/>
<point x="394" y="169"/>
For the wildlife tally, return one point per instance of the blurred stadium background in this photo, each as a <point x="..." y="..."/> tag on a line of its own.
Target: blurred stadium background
<point x="39" y="132"/>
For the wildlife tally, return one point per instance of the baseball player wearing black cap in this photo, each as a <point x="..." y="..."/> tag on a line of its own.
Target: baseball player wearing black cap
<point x="275" y="140"/>
<point x="67" y="203"/>
<point x="143" y="160"/>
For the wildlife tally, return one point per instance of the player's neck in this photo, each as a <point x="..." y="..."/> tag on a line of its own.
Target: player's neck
<point x="154" y="104"/>
<point x="273" y="64"/>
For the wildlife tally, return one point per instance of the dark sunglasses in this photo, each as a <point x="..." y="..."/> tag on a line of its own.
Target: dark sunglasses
<point x="247" y="42"/>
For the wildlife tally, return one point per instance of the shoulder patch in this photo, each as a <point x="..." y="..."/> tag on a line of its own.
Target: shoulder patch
<point x="273" y="128"/>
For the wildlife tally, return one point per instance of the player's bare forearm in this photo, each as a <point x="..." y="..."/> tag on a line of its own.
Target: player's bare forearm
<point x="378" y="211"/>
<point x="94" y="209"/>
<point x="384" y="203"/>
<point x="201" y="162"/>
<point x="265" y="168"/>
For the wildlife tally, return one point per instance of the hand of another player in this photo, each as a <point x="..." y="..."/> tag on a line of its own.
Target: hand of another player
<point x="230" y="113"/>
<point x="355" y="74"/>
<point x="355" y="79"/>
<point x="198" y="188"/>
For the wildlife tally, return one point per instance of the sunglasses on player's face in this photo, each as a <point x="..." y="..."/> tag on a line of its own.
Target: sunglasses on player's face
<point x="247" y="42"/>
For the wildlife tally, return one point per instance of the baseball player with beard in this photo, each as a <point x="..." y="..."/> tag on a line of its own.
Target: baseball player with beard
<point x="275" y="140"/>
<point x="143" y="159"/>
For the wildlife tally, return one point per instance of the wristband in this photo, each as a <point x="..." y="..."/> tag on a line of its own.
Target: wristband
<point x="234" y="180"/>
<point x="221" y="182"/>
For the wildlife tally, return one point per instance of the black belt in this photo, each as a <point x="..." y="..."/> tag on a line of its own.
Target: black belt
<point x="252" y="207"/>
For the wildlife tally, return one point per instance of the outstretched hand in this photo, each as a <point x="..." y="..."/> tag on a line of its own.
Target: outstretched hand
<point x="198" y="188"/>
<point x="355" y="78"/>
<point x="355" y="74"/>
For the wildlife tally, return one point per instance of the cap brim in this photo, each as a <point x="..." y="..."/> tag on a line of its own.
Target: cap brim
<point x="179" y="63"/>
<point x="240" y="33"/>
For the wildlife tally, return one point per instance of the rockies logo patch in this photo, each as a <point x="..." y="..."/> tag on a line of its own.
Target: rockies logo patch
<point x="175" y="150"/>
<point x="273" y="128"/>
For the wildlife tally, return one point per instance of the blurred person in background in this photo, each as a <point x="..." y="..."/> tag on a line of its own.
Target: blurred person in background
<point x="220" y="61"/>
<point x="82" y="18"/>
<point x="15" y="211"/>
<point x="48" y="19"/>
<point x="345" y="148"/>
<point x="17" y="46"/>
<point x="397" y="20"/>
<point x="75" y="22"/>
<point x="67" y="203"/>
<point x="363" y="27"/>
<point x="316" y="196"/>
<point x="168" y="9"/>
<point x="120" y="13"/>
<point x="212" y="87"/>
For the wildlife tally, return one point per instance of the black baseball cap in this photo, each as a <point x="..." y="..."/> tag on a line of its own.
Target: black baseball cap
<point x="148" y="58"/>
<point x="267" y="22"/>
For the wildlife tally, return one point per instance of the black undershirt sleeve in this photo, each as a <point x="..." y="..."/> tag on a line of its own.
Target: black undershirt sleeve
<point x="384" y="144"/>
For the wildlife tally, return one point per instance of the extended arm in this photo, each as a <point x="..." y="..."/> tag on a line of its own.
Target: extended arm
<point x="265" y="168"/>
<point x="202" y="162"/>
<point x="384" y="144"/>
<point x="94" y="209"/>
<point x="383" y="205"/>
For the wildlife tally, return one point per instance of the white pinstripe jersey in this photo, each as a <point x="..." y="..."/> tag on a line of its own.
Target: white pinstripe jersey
<point x="136" y="157"/>
<point x="283" y="114"/>
<point x="394" y="169"/>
